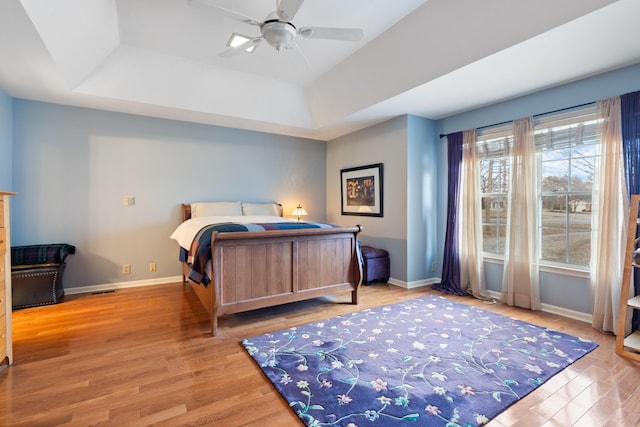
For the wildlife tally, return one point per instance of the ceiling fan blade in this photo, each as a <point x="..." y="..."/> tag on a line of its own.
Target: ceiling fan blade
<point x="347" y="34"/>
<point x="233" y="51"/>
<point x="287" y="9"/>
<point x="226" y="12"/>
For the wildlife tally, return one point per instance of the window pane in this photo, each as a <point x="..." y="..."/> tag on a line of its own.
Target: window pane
<point x="494" y="238"/>
<point x="494" y="176"/>
<point x="554" y="244"/>
<point x="580" y="205"/>
<point x="582" y="170"/>
<point x="494" y="209"/>
<point x="494" y="220"/>
<point x="553" y="209"/>
<point x="579" y="231"/>
<point x="567" y="168"/>
<point x="490" y="238"/>
<point x="555" y="176"/>
<point x="579" y="246"/>
<point x="566" y="236"/>
<point x="587" y="150"/>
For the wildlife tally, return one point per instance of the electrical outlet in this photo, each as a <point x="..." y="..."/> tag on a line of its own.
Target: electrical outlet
<point x="434" y="266"/>
<point x="153" y="267"/>
<point x="126" y="268"/>
<point x="129" y="200"/>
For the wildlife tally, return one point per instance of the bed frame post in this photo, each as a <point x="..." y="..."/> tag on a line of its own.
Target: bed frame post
<point x="213" y="315"/>
<point x="214" y="324"/>
<point x="215" y="283"/>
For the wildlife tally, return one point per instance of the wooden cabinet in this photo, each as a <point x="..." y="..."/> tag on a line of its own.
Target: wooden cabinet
<point x="629" y="345"/>
<point x="6" y="348"/>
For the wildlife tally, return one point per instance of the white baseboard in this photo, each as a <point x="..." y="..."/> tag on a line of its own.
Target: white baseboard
<point x="560" y="311"/>
<point x="565" y="312"/>
<point x="554" y="309"/>
<point x="150" y="282"/>
<point x="413" y="285"/>
<point x="548" y="308"/>
<point x="121" y="285"/>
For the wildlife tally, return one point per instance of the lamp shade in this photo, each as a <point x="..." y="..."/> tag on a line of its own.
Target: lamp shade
<point x="299" y="211"/>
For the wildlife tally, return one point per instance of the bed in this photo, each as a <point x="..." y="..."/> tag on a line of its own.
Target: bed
<point x="243" y="256"/>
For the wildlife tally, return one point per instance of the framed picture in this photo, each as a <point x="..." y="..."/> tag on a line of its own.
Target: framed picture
<point x="361" y="190"/>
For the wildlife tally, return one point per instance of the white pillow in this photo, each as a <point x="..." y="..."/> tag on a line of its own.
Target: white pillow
<point x="216" y="208"/>
<point x="262" y="209"/>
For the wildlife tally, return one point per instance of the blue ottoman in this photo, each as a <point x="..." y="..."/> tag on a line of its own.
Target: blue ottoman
<point x="376" y="265"/>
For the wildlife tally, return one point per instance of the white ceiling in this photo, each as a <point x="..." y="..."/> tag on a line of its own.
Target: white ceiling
<point x="430" y="58"/>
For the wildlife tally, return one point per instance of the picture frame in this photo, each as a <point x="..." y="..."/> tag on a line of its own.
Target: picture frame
<point x="361" y="190"/>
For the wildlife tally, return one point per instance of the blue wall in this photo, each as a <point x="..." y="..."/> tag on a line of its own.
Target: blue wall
<point x="422" y="215"/>
<point x="73" y="167"/>
<point x="570" y="290"/>
<point x="6" y="141"/>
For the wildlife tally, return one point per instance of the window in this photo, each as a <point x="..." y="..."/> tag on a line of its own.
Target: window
<point x="494" y="186"/>
<point x="566" y="146"/>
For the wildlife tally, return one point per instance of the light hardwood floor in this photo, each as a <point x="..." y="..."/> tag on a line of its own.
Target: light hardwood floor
<point x="143" y="356"/>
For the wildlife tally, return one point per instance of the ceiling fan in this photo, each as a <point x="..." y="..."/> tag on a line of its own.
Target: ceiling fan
<point x="278" y="30"/>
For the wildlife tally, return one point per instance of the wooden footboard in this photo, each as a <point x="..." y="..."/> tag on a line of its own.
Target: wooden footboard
<point x="260" y="269"/>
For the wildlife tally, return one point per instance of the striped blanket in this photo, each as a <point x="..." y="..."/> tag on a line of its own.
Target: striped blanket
<point x="200" y="252"/>
<point x="25" y="257"/>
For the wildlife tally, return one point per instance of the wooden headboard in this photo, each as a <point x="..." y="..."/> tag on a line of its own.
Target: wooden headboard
<point x="186" y="212"/>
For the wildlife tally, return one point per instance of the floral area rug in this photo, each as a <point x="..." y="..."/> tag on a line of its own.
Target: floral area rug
<point x="429" y="361"/>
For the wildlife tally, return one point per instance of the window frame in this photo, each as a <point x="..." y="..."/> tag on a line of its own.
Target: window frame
<point x="571" y="117"/>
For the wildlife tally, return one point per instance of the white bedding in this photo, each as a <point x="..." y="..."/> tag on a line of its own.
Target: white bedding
<point x="186" y="231"/>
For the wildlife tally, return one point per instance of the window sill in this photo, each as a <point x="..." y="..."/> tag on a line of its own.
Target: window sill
<point x="548" y="267"/>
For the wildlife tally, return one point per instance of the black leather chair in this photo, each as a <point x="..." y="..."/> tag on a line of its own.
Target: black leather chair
<point x="36" y="274"/>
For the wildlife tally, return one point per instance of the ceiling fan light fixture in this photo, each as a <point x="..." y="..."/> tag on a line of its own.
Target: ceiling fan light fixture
<point x="278" y="34"/>
<point x="278" y="30"/>
<point x="238" y="39"/>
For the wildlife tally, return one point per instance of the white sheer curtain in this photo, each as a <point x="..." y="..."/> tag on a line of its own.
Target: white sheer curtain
<point x="470" y="219"/>
<point x="610" y="219"/>
<point x="520" y="281"/>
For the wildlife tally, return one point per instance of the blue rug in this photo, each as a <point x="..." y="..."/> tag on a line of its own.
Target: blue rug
<point x="428" y="361"/>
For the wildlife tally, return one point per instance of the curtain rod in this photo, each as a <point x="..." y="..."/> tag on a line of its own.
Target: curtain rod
<point x="559" y="110"/>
